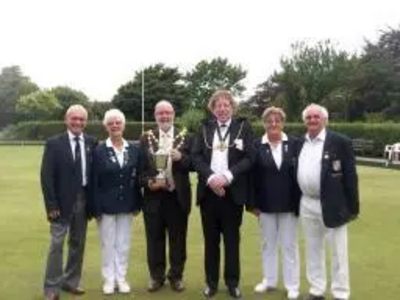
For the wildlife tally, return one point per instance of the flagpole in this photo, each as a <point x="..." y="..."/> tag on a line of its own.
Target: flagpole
<point x="142" y="101"/>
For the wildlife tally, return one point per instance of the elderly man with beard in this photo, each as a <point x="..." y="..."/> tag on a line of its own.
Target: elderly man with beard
<point x="167" y="200"/>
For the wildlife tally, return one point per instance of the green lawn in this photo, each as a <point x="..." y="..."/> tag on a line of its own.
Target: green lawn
<point x="374" y="240"/>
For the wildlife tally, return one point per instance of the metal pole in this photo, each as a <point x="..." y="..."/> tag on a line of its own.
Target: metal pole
<point x="142" y="101"/>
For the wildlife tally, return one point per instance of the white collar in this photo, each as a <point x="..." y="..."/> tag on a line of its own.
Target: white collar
<point x="72" y="136"/>
<point x="265" y="140"/>
<point x="170" y="132"/>
<point x="227" y="123"/>
<point x="109" y="144"/>
<point x="320" y="137"/>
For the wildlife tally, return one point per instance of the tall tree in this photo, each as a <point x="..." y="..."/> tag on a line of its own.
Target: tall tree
<point x="160" y="82"/>
<point x="310" y="74"/>
<point x="208" y="76"/>
<point x="67" y="97"/>
<point x="13" y="84"/>
<point x="39" y="105"/>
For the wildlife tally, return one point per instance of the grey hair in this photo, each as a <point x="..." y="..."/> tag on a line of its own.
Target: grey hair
<point x="113" y="113"/>
<point x="76" y="107"/>
<point x="162" y="103"/>
<point x="321" y="109"/>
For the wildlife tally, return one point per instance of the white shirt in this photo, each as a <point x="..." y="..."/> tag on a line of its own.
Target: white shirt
<point x="72" y="142"/>
<point x="166" y="142"/>
<point x="276" y="149"/>
<point x="219" y="159"/>
<point x="118" y="153"/>
<point x="309" y="169"/>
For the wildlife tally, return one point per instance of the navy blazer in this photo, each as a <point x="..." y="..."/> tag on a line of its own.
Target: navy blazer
<point x="58" y="174"/>
<point x="339" y="181"/>
<point x="240" y="159"/>
<point x="116" y="189"/>
<point x="275" y="190"/>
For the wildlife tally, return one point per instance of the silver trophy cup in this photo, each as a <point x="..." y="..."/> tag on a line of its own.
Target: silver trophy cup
<point x="161" y="161"/>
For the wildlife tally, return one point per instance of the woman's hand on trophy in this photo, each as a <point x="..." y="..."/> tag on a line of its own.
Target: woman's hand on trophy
<point x="176" y="155"/>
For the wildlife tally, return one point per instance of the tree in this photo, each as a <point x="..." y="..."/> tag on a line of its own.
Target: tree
<point x="67" y="97"/>
<point x="13" y="84"/>
<point x="207" y="77"/>
<point x="39" y="105"/>
<point x="97" y="109"/>
<point x="309" y="75"/>
<point x="160" y="82"/>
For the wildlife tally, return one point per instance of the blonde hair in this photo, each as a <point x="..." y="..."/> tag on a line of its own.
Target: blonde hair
<point x="273" y="110"/>
<point x="221" y="94"/>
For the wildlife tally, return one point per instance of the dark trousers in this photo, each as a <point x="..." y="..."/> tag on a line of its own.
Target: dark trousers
<point x="167" y="218"/>
<point x="76" y="227"/>
<point x="221" y="216"/>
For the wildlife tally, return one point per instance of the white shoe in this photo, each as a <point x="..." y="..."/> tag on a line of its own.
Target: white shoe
<point x="263" y="286"/>
<point x="293" y="295"/>
<point x="123" y="287"/>
<point x="108" y="288"/>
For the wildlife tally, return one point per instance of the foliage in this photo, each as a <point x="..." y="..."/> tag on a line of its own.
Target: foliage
<point x="192" y="118"/>
<point x="209" y="76"/>
<point x="160" y="82"/>
<point x="67" y="97"/>
<point x="13" y="84"/>
<point x="97" y="109"/>
<point x="39" y="105"/>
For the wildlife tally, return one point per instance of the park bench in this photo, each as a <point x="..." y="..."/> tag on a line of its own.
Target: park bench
<point x="362" y="146"/>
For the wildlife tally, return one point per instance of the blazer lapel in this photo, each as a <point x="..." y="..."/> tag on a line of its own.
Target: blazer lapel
<point x="67" y="148"/>
<point x="326" y="159"/>
<point x="286" y="159"/>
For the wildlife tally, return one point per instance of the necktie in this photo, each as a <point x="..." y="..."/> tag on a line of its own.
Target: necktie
<point x="78" y="160"/>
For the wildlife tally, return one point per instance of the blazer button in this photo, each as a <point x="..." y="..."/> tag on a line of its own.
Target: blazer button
<point x="121" y="187"/>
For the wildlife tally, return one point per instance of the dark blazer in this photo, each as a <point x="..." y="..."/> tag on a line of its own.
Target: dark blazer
<point x="59" y="180"/>
<point x="339" y="181"/>
<point x="275" y="190"/>
<point x="239" y="160"/>
<point x="116" y="189"/>
<point x="180" y="172"/>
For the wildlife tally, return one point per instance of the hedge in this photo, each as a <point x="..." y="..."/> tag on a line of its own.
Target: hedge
<point x="380" y="134"/>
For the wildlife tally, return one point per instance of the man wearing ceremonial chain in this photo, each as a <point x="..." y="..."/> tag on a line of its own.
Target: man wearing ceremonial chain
<point x="167" y="198"/>
<point x="222" y="156"/>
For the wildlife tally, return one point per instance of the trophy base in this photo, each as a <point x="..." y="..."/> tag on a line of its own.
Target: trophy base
<point x="161" y="180"/>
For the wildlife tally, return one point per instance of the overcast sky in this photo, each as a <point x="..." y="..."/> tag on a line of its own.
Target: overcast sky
<point x="97" y="45"/>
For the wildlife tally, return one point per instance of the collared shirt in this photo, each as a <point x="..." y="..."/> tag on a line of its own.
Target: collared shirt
<point x="219" y="159"/>
<point x="276" y="148"/>
<point x="72" y="143"/>
<point x="309" y="169"/>
<point x="119" y="153"/>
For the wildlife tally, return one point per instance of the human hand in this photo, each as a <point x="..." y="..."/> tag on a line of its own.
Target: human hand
<point x="176" y="155"/>
<point x="219" y="191"/>
<point x="53" y="214"/>
<point x="218" y="181"/>
<point x="155" y="185"/>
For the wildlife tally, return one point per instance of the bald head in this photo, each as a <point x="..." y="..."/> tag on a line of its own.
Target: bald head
<point x="164" y="114"/>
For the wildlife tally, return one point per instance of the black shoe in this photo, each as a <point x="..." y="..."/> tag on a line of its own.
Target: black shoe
<point x="154" y="285"/>
<point x="234" y="292"/>
<point x="177" y="285"/>
<point x="209" y="292"/>
<point x="313" y="297"/>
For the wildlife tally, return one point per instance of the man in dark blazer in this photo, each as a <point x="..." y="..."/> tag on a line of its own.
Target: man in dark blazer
<point x="222" y="157"/>
<point x="64" y="180"/>
<point x="328" y="181"/>
<point x="167" y="200"/>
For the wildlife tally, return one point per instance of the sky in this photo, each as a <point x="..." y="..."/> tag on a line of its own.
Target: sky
<point x="96" y="45"/>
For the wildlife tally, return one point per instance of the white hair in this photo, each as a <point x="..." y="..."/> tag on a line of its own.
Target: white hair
<point x="113" y="113"/>
<point x="76" y="107"/>
<point x="163" y="103"/>
<point x="321" y="109"/>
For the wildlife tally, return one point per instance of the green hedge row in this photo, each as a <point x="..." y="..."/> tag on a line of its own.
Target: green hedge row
<point x="380" y="134"/>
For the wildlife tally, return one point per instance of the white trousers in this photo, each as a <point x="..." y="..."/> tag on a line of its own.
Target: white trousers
<point x="315" y="234"/>
<point x="115" y="237"/>
<point x="279" y="230"/>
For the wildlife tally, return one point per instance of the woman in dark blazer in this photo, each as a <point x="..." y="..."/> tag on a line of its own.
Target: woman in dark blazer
<point x="116" y="199"/>
<point x="276" y="203"/>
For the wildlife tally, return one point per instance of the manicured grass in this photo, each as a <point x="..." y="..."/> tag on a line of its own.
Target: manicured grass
<point x="24" y="238"/>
